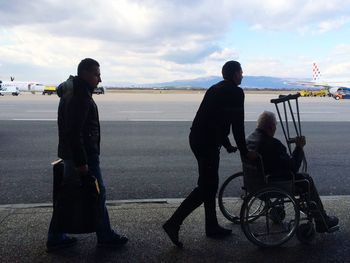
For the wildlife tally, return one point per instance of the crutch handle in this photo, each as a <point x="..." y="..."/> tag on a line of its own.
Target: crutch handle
<point x="282" y="98"/>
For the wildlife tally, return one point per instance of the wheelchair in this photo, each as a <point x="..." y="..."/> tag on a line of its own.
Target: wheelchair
<point x="271" y="212"/>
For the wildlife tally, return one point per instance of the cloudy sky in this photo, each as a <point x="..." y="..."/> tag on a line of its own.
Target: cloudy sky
<point x="148" y="41"/>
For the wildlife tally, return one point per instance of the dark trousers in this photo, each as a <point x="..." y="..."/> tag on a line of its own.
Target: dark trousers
<point x="305" y="187"/>
<point x="208" y="165"/>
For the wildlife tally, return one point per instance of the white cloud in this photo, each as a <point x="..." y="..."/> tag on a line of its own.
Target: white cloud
<point x="341" y="51"/>
<point x="338" y="70"/>
<point x="150" y="40"/>
<point x="329" y="25"/>
<point x="336" y="64"/>
<point x="224" y="54"/>
<point x="294" y="14"/>
<point x="260" y="66"/>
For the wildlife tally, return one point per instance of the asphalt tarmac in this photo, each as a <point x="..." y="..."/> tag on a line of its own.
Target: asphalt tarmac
<point x="145" y="152"/>
<point x="165" y="107"/>
<point x="147" y="160"/>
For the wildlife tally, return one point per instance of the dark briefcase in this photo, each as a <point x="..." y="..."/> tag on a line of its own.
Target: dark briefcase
<point x="75" y="202"/>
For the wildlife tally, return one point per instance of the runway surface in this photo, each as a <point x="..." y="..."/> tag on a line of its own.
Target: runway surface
<point x="145" y="152"/>
<point x="164" y="107"/>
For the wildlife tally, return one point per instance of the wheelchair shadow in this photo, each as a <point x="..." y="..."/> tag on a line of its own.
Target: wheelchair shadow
<point x="325" y="248"/>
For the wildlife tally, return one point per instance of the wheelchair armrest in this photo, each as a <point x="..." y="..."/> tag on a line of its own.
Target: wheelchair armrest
<point x="304" y="181"/>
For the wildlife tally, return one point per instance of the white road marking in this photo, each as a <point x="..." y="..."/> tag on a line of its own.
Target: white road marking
<point x="176" y="120"/>
<point x="140" y="111"/>
<point x="144" y="201"/>
<point x="159" y="120"/>
<point x="41" y="111"/>
<point x="317" y="112"/>
<point x="34" y="119"/>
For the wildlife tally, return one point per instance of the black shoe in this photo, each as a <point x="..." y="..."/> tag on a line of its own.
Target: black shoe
<point x="173" y="233"/>
<point x="331" y="221"/>
<point x="52" y="245"/>
<point x="116" y="241"/>
<point x="218" y="232"/>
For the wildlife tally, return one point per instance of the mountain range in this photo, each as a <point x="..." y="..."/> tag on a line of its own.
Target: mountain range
<point x="249" y="82"/>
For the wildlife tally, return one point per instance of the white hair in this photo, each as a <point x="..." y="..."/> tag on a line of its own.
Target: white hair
<point x="266" y="119"/>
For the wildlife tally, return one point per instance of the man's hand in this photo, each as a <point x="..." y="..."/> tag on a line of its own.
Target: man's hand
<point x="82" y="169"/>
<point x="251" y="155"/>
<point x="231" y="149"/>
<point x="300" y="142"/>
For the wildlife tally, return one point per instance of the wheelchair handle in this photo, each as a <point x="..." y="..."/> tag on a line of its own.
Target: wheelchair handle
<point x="283" y="98"/>
<point x="233" y="149"/>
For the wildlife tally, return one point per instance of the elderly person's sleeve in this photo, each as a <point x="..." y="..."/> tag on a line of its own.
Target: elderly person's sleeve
<point x="284" y="161"/>
<point x="297" y="158"/>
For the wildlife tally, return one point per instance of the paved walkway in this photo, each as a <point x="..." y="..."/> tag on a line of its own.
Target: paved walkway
<point x="23" y="234"/>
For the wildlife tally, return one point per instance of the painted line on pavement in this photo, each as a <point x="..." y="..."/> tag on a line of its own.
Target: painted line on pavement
<point x="34" y="119"/>
<point x="173" y="120"/>
<point x="141" y="201"/>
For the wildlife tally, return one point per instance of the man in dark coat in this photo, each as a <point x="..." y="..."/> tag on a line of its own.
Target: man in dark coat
<point x="79" y="147"/>
<point x="221" y="110"/>
<point x="279" y="164"/>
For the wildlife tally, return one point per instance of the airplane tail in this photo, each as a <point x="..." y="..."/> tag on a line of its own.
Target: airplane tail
<point x="316" y="73"/>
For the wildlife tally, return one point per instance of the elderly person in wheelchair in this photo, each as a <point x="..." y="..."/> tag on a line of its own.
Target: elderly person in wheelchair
<point x="279" y="165"/>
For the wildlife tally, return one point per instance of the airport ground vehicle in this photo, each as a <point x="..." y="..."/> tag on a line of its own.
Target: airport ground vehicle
<point x="99" y="90"/>
<point x="313" y="93"/>
<point x="14" y="91"/>
<point x="342" y="93"/>
<point x="49" y="90"/>
<point x="305" y="93"/>
<point x="270" y="213"/>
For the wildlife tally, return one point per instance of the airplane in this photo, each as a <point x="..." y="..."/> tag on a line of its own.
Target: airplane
<point x="15" y="87"/>
<point x="22" y="85"/>
<point x="333" y="86"/>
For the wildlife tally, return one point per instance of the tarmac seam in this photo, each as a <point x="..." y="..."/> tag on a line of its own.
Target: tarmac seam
<point x="136" y="201"/>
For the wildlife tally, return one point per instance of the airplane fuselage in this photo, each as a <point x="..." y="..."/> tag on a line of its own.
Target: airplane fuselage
<point x="23" y="85"/>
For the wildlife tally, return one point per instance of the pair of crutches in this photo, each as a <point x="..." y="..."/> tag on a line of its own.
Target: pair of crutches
<point x="286" y="102"/>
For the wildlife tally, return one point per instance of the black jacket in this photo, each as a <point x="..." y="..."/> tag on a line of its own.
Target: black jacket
<point x="222" y="108"/>
<point x="78" y="122"/>
<point x="276" y="160"/>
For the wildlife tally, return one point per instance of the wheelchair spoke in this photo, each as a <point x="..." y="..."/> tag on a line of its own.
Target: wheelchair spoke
<point x="276" y="221"/>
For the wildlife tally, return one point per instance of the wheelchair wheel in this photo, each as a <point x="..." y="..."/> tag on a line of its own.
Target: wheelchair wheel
<point x="231" y="196"/>
<point x="276" y="223"/>
<point x="306" y="233"/>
